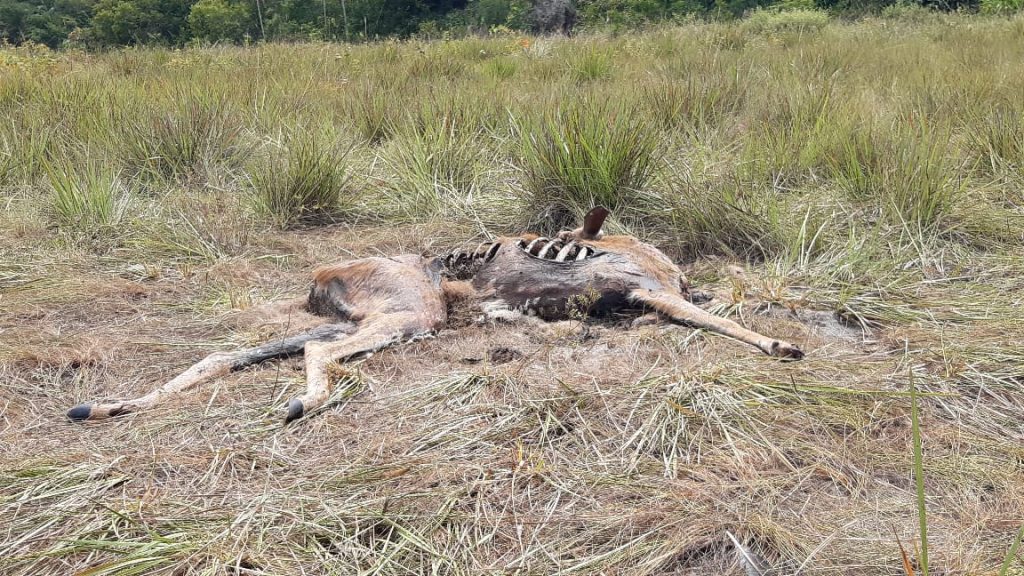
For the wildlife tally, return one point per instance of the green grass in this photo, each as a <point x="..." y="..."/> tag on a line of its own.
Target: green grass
<point x="588" y="155"/>
<point x="85" y="199"/>
<point x="852" y="186"/>
<point x="922" y="510"/>
<point x="306" y="183"/>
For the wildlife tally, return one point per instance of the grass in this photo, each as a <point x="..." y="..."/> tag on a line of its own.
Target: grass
<point x="303" y="184"/>
<point x="85" y="200"/>
<point x="853" y="186"/>
<point x="922" y="511"/>
<point x="586" y="156"/>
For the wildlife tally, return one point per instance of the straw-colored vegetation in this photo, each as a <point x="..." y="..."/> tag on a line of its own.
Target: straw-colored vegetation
<point x="868" y="176"/>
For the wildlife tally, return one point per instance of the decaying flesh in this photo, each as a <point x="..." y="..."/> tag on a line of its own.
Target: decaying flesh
<point x="372" y="303"/>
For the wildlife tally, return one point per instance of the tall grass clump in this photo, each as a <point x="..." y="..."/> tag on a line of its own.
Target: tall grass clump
<point x="437" y="162"/>
<point x="584" y="155"/>
<point x="998" y="139"/>
<point x="906" y="173"/>
<point x="726" y="216"/>
<point x="374" y="108"/>
<point x="696" y="101"/>
<point x="859" y="165"/>
<point x="919" y="187"/>
<point x="8" y="163"/>
<point x="591" y="64"/>
<point x="306" y="184"/>
<point x="792" y="22"/>
<point x="798" y="128"/>
<point x="179" y="140"/>
<point x="500" y="68"/>
<point x="86" y="198"/>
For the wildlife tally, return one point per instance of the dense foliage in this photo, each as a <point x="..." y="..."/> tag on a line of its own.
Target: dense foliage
<point x="103" y="23"/>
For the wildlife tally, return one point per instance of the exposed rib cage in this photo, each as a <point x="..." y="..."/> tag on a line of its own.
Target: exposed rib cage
<point x="556" y="250"/>
<point x="462" y="265"/>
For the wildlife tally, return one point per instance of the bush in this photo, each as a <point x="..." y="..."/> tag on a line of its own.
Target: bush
<point x="306" y="185"/>
<point x="1001" y="6"/>
<point x="219" y="20"/>
<point x="910" y="12"/>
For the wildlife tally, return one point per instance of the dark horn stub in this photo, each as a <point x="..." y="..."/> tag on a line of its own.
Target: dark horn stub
<point x="593" y="221"/>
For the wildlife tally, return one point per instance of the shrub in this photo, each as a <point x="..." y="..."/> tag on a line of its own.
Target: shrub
<point x="219" y="20"/>
<point x="910" y="12"/>
<point x="1001" y="6"/>
<point x="307" y="184"/>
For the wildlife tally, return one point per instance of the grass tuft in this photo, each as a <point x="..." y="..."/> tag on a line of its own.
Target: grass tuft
<point x="195" y="131"/>
<point x="307" y="183"/>
<point x="87" y="198"/>
<point x="585" y="155"/>
<point x="591" y="64"/>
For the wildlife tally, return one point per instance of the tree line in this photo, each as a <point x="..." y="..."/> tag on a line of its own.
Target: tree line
<point x="104" y="23"/>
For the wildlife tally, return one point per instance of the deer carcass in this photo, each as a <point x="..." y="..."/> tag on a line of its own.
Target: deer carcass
<point x="372" y="303"/>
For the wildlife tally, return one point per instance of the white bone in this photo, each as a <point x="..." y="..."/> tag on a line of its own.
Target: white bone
<point x="529" y="247"/>
<point x="547" y="247"/>
<point x="564" y="252"/>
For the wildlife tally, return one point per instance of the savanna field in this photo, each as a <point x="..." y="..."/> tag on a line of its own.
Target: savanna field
<point x="856" y="188"/>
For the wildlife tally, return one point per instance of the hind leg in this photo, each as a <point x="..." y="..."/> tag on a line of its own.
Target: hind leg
<point x="213" y="366"/>
<point x="376" y="334"/>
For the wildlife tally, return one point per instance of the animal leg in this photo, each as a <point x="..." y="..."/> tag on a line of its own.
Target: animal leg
<point x="373" y="335"/>
<point x="209" y="368"/>
<point x="681" y="310"/>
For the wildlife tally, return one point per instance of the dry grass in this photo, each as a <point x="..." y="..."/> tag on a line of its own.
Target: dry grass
<point x="652" y="450"/>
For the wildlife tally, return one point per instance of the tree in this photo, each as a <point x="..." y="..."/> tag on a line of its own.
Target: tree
<point x="219" y="20"/>
<point x="128" y="22"/>
<point x="44" y="21"/>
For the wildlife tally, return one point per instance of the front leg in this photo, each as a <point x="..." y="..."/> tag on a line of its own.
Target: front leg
<point x="682" y="310"/>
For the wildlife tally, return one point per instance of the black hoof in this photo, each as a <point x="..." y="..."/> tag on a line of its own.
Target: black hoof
<point x="79" y="413"/>
<point x="295" y="410"/>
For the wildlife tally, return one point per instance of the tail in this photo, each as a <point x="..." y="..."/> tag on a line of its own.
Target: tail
<point x="213" y="366"/>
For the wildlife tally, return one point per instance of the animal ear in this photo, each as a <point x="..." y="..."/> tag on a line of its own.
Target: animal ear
<point x="593" y="221"/>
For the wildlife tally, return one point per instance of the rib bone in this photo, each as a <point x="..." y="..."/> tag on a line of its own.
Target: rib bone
<point x="547" y="248"/>
<point x="565" y="252"/>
